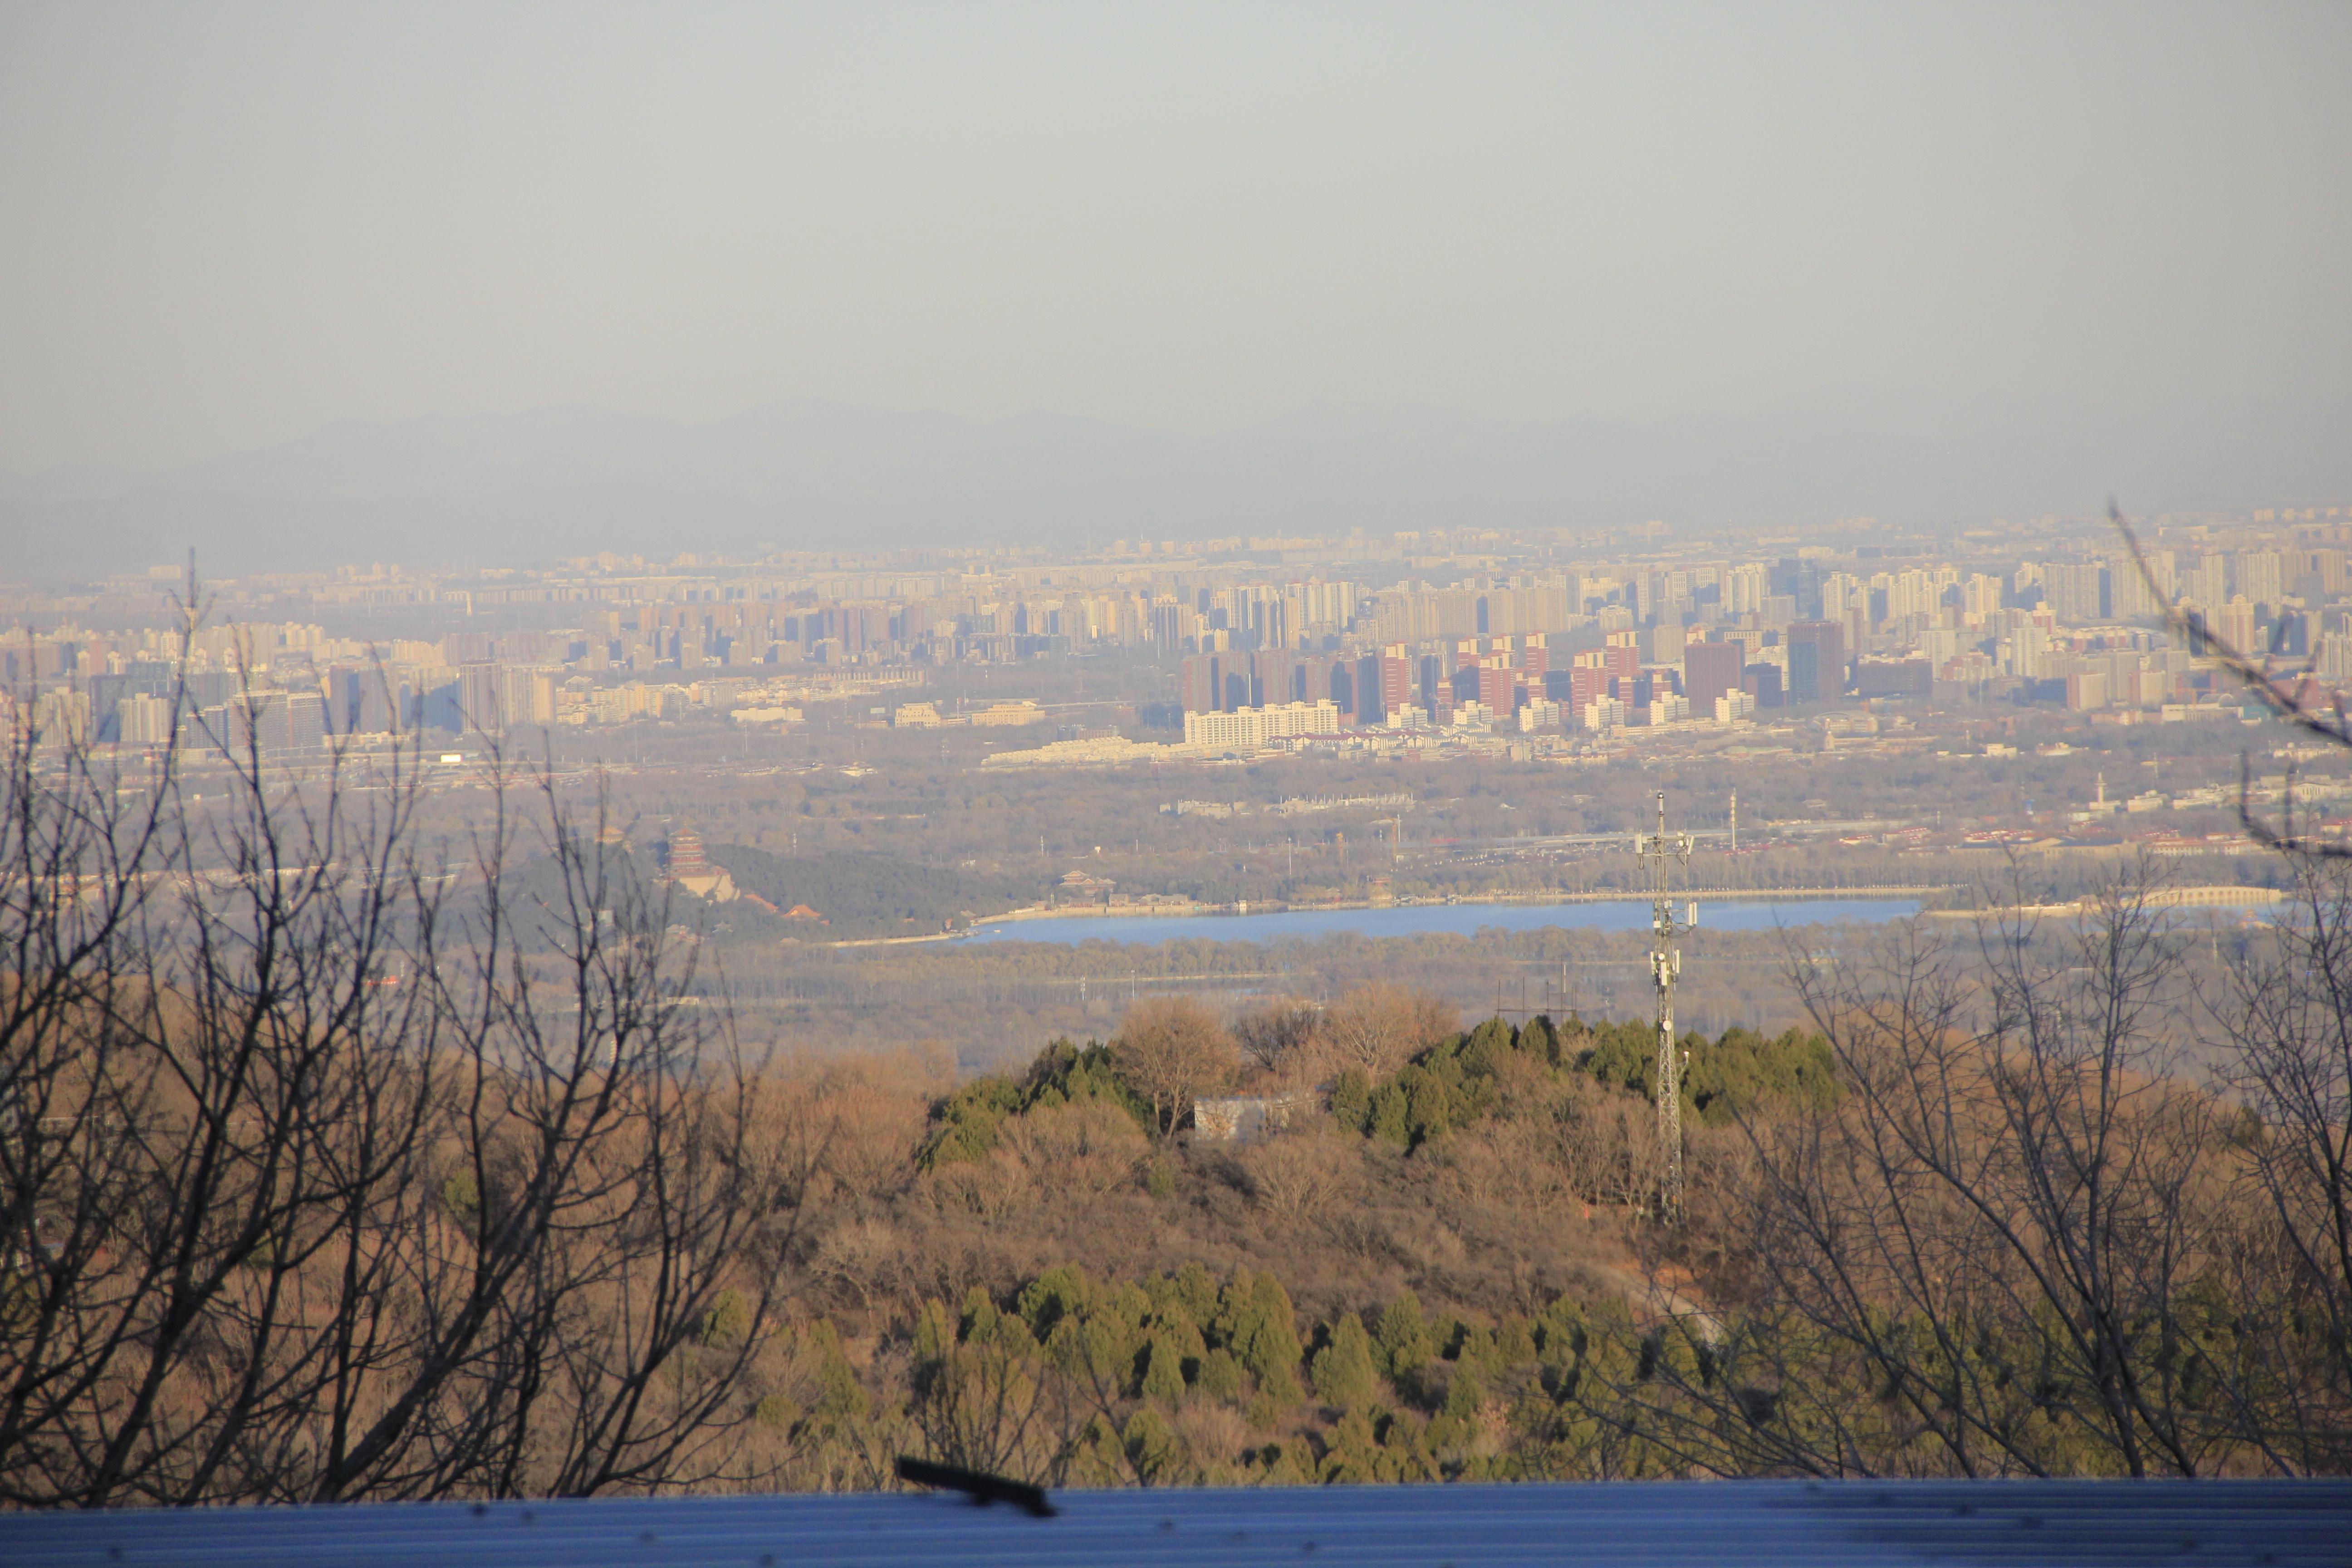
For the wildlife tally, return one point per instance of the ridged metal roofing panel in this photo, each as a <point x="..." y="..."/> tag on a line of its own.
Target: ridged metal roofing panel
<point x="1669" y="1524"/>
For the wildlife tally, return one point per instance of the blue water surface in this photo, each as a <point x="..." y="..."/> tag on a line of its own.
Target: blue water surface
<point x="1411" y="920"/>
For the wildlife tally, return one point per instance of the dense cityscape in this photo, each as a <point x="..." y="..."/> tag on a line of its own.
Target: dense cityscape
<point x="1558" y="648"/>
<point x="1490" y="784"/>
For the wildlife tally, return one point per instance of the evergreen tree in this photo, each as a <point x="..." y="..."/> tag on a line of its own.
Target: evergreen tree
<point x="1342" y="1372"/>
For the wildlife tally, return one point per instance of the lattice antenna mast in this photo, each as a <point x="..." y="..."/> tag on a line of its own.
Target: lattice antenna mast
<point x="1662" y="849"/>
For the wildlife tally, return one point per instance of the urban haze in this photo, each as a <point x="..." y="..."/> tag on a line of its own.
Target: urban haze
<point x="1037" y="749"/>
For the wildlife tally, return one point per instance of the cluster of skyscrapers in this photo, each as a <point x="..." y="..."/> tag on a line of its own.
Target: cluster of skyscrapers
<point x="1488" y="629"/>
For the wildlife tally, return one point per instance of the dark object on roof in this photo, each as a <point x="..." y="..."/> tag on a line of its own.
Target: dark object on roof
<point x="981" y="1487"/>
<point x="1846" y="1524"/>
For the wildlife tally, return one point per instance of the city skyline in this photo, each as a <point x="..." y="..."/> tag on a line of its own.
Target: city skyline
<point x="1034" y="748"/>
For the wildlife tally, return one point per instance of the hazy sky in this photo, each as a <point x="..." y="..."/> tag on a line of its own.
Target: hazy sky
<point x="225" y="224"/>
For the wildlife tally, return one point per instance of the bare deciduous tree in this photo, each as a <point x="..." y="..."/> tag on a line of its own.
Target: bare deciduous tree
<point x="2288" y="1018"/>
<point x="1168" y="1050"/>
<point x="333" y="1172"/>
<point x="1378" y="1028"/>
<point x="1999" y="1224"/>
<point x="1300" y="1175"/>
<point x="1276" y="1034"/>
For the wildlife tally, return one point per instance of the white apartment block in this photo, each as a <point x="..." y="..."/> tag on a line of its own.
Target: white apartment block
<point x="1248" y="729"/>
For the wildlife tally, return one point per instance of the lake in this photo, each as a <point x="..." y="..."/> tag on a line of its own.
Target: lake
<point x="1412" y="920"/>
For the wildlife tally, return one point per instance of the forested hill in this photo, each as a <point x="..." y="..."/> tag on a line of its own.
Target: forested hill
<point x="871" y="895"/>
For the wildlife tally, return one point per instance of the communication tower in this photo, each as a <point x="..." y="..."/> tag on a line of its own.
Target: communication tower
<point x="1665" y="966"/>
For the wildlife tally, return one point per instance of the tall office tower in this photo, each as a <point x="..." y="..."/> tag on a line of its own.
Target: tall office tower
<point x="1370" y="708"/>
<point x="1799" y="580"/>
<point x="379" y="705"/>
<point x="1372" y="690"/>
<point x="481" y="695"/>
<point x="1201" y="686"/>
<point x="1388" y="684"/>
<point x="1816" y="661"/>
<point x="1710" y="669"/>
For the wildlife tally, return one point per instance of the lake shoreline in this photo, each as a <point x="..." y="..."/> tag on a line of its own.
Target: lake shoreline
<point x="1618" y="912"/>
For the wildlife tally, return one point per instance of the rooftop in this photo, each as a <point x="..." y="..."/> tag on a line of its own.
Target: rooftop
<point x="1853" y="1523"/>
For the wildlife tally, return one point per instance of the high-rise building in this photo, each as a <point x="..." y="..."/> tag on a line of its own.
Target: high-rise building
<point x="2235" y="623"/>
<point x="2128" y="592"/>
<point x="1576" y="687"/>
<point x="482" y="697"/>
<point x="379" y="711"/>
<point x="1535" y="656"/>
<point x="1799" y="581"/>
<point x="2087" y="689"/>
<point x="1384" y="685"/>
<point x="2029" y="647"/>
<point x="2077" y="595"/>
<point x="1709" y="671"/>
<point x="2207" y="583"/>
<point x="1172" y="624"/>
<point x="1816" y="661"/>
<point x="143" y="719"/>
<point x="2261" y="577"/>
<point x="1980" y="597"/>
<point x="1200" y="684"/>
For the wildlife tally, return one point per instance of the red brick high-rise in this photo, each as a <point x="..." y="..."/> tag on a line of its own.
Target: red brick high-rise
<point x="1710" y="669"/>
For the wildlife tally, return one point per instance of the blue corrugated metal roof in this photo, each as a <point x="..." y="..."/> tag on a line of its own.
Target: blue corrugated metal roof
<point x="1765" y="1522"/>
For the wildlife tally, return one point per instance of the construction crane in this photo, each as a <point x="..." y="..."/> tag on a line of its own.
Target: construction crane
<point x="1665" y="966"/>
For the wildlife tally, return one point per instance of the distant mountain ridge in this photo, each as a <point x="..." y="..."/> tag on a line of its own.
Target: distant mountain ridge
<point x="782" y="452"/>
<point x="514" y="488"/>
